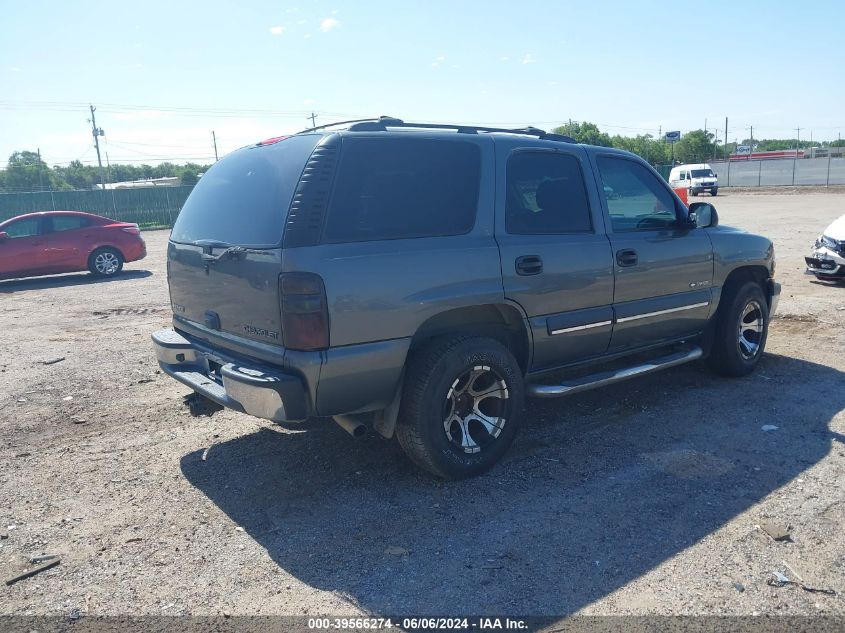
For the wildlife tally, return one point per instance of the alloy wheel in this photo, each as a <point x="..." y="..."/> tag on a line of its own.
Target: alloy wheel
<point x="476" y="409"/>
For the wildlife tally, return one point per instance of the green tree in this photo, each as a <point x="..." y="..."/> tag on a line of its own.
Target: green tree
<point x="27" y="172"/>
<point x="652" y="150"/>
<point x="190" y="173"/>
<point x="695" y="147"/>
<point x="585" y="132"/>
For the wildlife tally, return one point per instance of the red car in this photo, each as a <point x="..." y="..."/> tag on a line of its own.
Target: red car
<point x="67" y="241"/>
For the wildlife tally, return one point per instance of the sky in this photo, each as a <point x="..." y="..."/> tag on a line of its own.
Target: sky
<point x="163" y="75"/>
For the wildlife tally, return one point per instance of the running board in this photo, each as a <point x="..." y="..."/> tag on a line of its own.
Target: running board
<point x="610" y="377"/>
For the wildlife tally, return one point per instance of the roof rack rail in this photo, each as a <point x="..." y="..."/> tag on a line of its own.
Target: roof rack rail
<point x="381" y="124"/>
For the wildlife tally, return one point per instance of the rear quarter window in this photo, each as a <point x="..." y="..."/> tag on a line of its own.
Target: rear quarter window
<point x="244" y="199"/>
<point x="395" y="188"/>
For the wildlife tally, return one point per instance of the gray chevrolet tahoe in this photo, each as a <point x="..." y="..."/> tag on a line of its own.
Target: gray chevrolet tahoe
<point x="421" y="280"/>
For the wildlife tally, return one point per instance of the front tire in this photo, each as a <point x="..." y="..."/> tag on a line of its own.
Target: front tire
<point x="714" y="192"/>
<point x="105" y="262"/>
<point x="461" y="405"/>
<point x="742" y="328"/>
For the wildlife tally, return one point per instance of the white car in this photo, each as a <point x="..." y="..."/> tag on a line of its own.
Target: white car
<point x="828" y="259"/>
<point x="695" y="178"/>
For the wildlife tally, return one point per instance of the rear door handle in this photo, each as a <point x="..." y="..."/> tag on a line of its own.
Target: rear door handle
<point x="529" y="265"/>
<point x="626" y="257"/>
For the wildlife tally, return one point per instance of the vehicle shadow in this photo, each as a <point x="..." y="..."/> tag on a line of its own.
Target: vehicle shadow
<point x="72" y="279"/>
<point x="598" y="489"/>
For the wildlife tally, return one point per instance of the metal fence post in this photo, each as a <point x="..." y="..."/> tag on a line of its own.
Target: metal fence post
<point x="729" y="171"/>
<point x="793" y="167"/>
<point x="759" y="171"/>
<point x="829" y="154"/>
<point x="167" y="202"/>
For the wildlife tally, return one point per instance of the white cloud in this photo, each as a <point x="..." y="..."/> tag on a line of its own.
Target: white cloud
<point x="528" y="58"/>
<point x="308" y="102"/>
<point x="504" y="59"/>
<point x="438" y="60"/>
<point x="277" y="30"/>
<point x="306" y="36"/>
<point x="335" y="11"/>
<point x="300" y="22"/>
<point x="327" y="24"/>
<point x="291" y="10"/>
<point x="15" y="69"/>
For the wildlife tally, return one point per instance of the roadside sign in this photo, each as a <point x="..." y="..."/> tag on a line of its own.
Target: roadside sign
<point x="743" y="149"/>
<point x="672" y="136"/>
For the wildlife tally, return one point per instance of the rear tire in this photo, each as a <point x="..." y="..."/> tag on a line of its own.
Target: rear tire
<point x="741" y="330"/>
<point x="461" y="405"/>
<point x="105" y="262"/>
<point x="713" y="192"/>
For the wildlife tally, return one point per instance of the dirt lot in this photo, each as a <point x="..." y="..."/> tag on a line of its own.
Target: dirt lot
<point x="644" y="498"/>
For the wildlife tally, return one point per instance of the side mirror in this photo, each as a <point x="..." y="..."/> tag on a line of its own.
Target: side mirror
<point x="3" y="236"/>
<point x="704" y="214"/>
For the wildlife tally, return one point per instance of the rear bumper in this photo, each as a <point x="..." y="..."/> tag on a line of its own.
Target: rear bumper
<point x="248" y="387"/>
<point x="135" y="250"/>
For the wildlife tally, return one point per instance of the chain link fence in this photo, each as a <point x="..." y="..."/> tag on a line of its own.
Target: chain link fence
<point x="149" y="207"/>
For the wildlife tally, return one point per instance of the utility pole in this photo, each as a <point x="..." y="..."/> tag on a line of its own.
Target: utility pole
<point x="715" y="143"/>
<point x="795" y="157"/>
<point x="752" y="142"/>
<point x="569" y="128"/>
<point x="214" y="138"/>
<point x="40" y="181"/>
<point x="98" y="132"/>
<point x="313" y="118"/>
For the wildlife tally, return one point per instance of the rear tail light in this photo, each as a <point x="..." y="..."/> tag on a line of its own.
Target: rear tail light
<point x="305" y="314"/>
<point x="134" y="230"/>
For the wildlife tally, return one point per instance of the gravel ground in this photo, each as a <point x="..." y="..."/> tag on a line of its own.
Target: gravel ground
<point x="646" y="498"/>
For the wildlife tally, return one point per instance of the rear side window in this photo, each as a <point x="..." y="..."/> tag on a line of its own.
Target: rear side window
<point x="546" y="194"/>
<point x="243" y="200"/>
<point x="403" y="188"/>
<point x="68" y="222"/>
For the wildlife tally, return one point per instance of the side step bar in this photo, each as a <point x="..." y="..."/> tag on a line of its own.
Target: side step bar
<point x="610" y="377"/>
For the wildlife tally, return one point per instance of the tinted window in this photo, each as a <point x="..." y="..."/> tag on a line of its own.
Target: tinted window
<point x="68" y="222"/>
<point x="244" y="198"/>
<point x="546" y="194"/>
<point x="636" y="198"/>
<point x="403" y="188"/>
<point x="22" y="228"/>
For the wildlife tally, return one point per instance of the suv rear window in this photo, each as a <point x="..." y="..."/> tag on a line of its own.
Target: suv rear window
<point x="243" y="200"/>
<point x="403" y="188"/>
